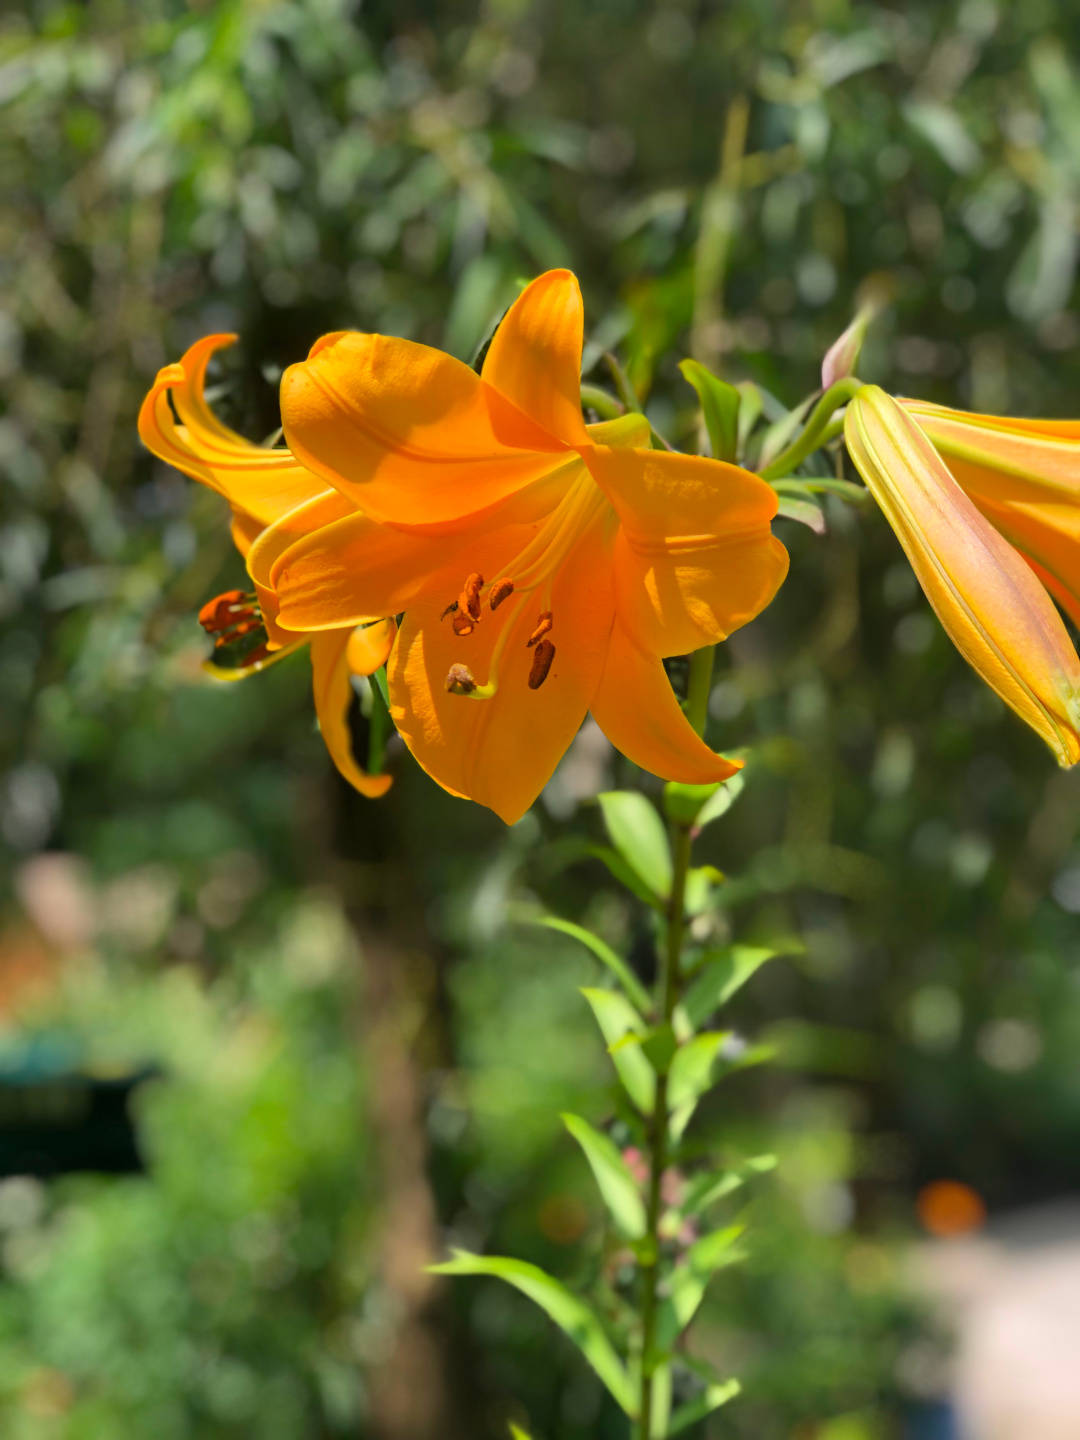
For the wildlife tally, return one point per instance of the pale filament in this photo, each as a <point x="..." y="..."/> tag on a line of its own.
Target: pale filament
<point x="537" y="564"/>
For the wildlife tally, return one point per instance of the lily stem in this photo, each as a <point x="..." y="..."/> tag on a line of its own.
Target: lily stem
<point x="670" y="990"/>
<point x="670" y="987"/>
<point x="817" y="432"/>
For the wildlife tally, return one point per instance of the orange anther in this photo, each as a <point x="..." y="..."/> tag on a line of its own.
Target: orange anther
<point x="463" y="623"/>
<point x="222" y="611"/>
<point x="470" y="596"/>
<point x="544" y="624"/>
<point x="542" y="658"/>
<point x="500" y="591"/>
<point x="460" y="680"/>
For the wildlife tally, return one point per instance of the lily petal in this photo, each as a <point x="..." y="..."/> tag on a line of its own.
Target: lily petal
<point x="1024" y="476"/>
<point x="695" y="557"/>
<point x="270" y="543"/>
<point x="333" y="697"/>
<point x="501" y="751"/>
<point x="355" y="570"/>
<point x="535" y="356"/>
<point x="636" y="708"/>
<point x="260" y="484"/>
<point x="411" y="435"/>
<point x="994" y="609"/>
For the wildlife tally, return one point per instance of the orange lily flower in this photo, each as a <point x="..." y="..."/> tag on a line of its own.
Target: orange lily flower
<point x="544" y="566"/>
<point x="988" y="599"/>
<point x="1024" y="476"/>
<point x="273" y="499"/>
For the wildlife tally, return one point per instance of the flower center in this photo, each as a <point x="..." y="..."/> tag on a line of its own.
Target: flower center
<point x="530" y="574"/>
<point x="236" y="623"/>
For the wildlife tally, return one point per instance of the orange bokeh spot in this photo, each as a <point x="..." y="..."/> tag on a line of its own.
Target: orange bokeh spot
<point x="948" y="1208"/>
<point x="562" y="1219"/>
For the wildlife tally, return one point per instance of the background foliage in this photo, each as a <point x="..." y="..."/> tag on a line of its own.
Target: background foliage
<point x="182" y="872"/>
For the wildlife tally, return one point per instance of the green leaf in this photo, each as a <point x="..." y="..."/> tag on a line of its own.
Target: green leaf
<point x="750" y="410"/>
<point x="682" y="803"/>
<point x="721" y="802"/>
<point x="638" y="834"/>
<point x="660" y="1411"/>
<point x="691" y="1076"/>
<point x="516" y="1432"/>
<point x="706" y="1189"/>
<point x="716" y="1250"/>
<point x="720" y="404"/>
<point x="715" y="1394"/>
<point x="616" y="1018"/>
<point x="625" y="874"/>
<point x="659" y="1047"/>
<point x="620" y="1190"/>
<point x="570" y="1313"/>
<point x="605" y="954"/>
<point x="806" y="512"/>
<point x="721" y="978"/>
<point x="700" y="883"/>
<point x="685" y="1292"/>
<point x="820" y="485"/>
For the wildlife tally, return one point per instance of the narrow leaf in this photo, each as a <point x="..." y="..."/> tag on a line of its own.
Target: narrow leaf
<point x="749" y="411"/>
<point x="605" y="954"/>
<point x="806" y="512"/>
<point x="660" y="1412"/>
<point x="692" y="1068"/>
<point x="721" y="802"/>
<point x="638" y="834"/>
<point x="721" y="978"/>
<point x="686" y="1290"/>
<point x="570" y="1313"/>
<point x="714" y="1251"/>
<point x="659" y="1048"/>
<point x="720" y="404"/>
<point x="700" y="883"/>
<point x="711" y="1398"/>
<point x="620" y="1190"/>
<point x="616" y="1018"/>
<point x="625" y="874"/>
<point x="706" y="1189"/>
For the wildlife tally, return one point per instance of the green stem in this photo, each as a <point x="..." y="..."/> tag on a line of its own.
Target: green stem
<point x="670" y="989"/>
<point x="699" y="687"/>
<point x="818" y="431"/>
<point x="697" y="710"/>
<point x="378" y="728"/>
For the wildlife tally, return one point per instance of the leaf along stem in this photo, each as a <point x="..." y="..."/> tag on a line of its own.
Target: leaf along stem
<point x="379" y="727"/>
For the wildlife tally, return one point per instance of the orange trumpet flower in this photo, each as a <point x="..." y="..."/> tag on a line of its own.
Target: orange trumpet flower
<point x="544" y="566"/>
<point x="273" y="500"/>
<point x="1024" y="476"/>
<point x="988" y="599"/>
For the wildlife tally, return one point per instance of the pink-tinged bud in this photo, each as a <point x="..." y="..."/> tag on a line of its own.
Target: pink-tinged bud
<point x="842" y="355"/>
<point x="991" y="604"/>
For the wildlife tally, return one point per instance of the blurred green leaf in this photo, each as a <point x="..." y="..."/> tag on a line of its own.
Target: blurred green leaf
<point x="720" y="407"/>
<point x="617" y="1018"/>
<point x="722" y="977"/>
<point x="706" y="1189"/>
<point x="721" y="801"/>
<point x="716" y="1393"/>
<point x="620" y="1190"/>
<point x="605" y="954"/>
<point x="638" y="834"/>
<point x="716" y="1250"/>
<point x="806" y="512"/>
<point x="691" y="1076"/>
<point x="683" y="803"/>
<point x="573" y="1316"/>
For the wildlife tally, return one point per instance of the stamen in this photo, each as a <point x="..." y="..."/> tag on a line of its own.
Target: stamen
<point x="460" y="680"/>
<point x="542" y="658"/>
<point x="544" y="624"/>
<point x="463" y="622"/>
<point x="224" y="611"/>
<point x="451" y="609"/>
<point x="500" y="591"/>
<point x="470" y="596"/>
